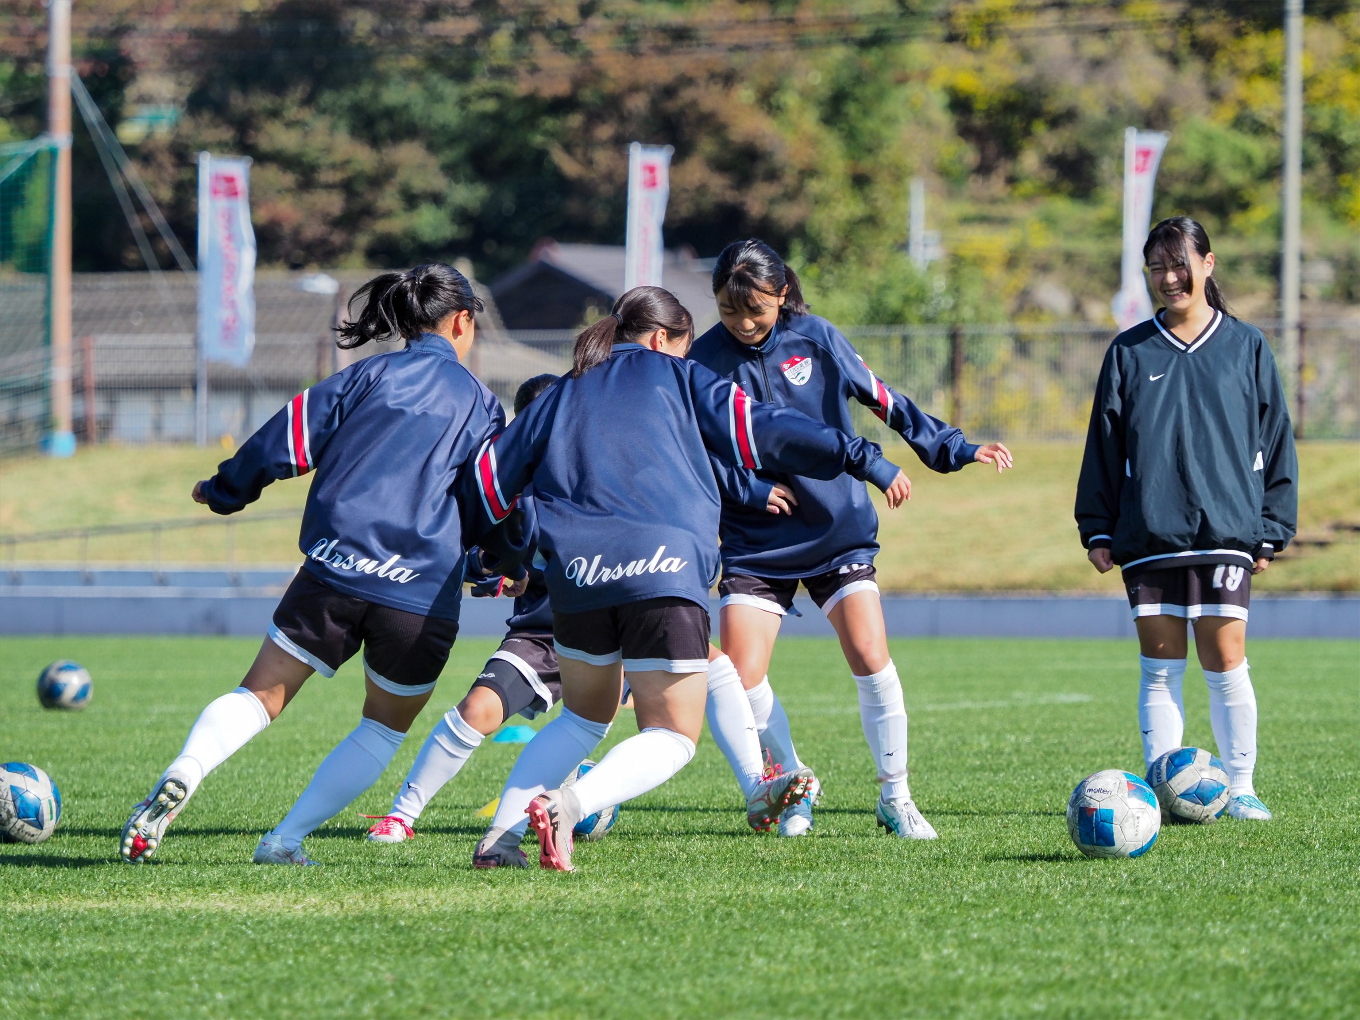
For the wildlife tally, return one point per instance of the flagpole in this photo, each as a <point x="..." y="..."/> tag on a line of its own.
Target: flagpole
<point x="200" y="359"/>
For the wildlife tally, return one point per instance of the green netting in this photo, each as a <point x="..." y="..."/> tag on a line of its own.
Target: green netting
<point x="26" y="183"/>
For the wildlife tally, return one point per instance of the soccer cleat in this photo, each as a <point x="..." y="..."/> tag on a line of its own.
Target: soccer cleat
<point x="146" y="827"/>
<point x="550" y="817"/>
<point x="903" y="819"/>
<point x="1248" y="808"/>
<point x="389" y="829"/>
<point x="499" y="848"/>
<point x="797" y="820"/>
<point x="776" y="793"/>
<point x="272" y="851"/>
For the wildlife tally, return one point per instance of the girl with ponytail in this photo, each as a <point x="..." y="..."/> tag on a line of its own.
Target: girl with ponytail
<point x="389" y="439"/>
<point x="1189" y="483"/>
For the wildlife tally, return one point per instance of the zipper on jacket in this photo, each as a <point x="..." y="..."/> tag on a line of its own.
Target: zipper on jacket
<point x="769" y="393"/>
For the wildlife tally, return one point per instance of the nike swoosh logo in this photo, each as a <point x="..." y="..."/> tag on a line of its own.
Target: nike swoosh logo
<point x="1146" y="732"/>
<point x="1154" y="378"/>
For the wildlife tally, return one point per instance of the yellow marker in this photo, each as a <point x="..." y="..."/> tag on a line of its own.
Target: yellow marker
<point x="490" y="810"/>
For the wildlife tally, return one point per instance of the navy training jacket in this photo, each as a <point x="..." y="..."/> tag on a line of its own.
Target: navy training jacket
<point x="627" y="502"/>
<point x="806" y="364"/>
<point x="388" y="438"/>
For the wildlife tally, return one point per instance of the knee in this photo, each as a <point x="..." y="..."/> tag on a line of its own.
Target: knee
<point x="482" y="710"/>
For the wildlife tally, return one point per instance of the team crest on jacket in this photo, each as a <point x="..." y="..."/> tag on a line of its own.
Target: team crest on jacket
<point x="797" y="370"/>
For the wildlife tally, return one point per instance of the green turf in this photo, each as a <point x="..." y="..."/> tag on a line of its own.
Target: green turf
<point x="682" y="912"/>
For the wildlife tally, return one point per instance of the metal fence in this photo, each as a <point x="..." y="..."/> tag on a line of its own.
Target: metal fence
<point x="134" y="366"/>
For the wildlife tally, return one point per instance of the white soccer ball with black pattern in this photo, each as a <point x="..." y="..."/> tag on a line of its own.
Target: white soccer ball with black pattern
<point x="592" y="827"/>
<point x="1113" y="814"/>
<point x="65" y="684"/>
<point x="30" y="803"/>
<point x="1191" y="785"/>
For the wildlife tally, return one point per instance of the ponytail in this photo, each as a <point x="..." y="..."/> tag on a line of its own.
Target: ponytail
<point x="641" y="311"/>
<point x="404" y="305"/>
<point x="751" y="267"/>
<point x="1172" y="239"/>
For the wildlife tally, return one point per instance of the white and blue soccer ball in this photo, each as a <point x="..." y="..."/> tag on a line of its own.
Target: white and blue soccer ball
<point x="30" y="803"/>
<point x="65" y="684"/>
<point x="1191" y="785"/>
<point x="1113" y="814"/>
<point x="594" y="826"/>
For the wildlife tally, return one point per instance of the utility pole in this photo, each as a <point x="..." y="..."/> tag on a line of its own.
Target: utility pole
<point x="1293" y="180"/>
<point x="62" y="442"/>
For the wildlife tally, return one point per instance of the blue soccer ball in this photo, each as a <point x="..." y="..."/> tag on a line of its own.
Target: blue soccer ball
<point x="65" y="684"/>
<point x="30" y="803"/>
<point x="1191" y="785"/>
<point x="594" y="826"/>
<point x="1113" y="814"/>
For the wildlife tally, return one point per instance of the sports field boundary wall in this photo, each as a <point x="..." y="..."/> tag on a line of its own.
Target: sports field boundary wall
<point x="214" y="602"/>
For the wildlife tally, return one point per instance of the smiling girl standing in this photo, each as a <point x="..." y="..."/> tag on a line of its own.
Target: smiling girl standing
<point x="1189" y="483"/>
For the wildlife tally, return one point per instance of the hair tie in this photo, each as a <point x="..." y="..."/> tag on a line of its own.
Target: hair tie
<point x="617" y="318"/>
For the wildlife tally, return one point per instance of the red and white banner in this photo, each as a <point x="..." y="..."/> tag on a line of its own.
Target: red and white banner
<point x="649" y="188"/>
<point x="226" y="261"/>
<point x="1142" y="153"/>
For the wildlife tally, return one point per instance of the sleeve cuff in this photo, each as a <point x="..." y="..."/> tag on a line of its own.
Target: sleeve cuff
<point x="968" y="453"/>
<point x="1264" y="551"/>
<point x="1099" y="542"/>
<point x="759" y="496"/>
<point x="883" y="473"/>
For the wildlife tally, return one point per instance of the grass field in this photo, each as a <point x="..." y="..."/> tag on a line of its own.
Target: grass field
<point x="681" y="911"/>
<point x="957" y="533"/>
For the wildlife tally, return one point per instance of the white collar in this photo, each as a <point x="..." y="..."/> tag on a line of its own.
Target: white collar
<point x="1195" y="344"/>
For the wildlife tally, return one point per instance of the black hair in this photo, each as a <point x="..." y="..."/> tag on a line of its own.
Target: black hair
<point x="1172" y="239"/>
<point x="531" y="389"/>
<point x="404" y="305"/>
<point x="751" y="267"/>
<point x="641" y="311"/>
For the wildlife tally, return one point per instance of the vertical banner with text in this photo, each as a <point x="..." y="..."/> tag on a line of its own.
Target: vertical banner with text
<point x="1142" y="153"/>
<point x="649" y="188"/>
<point x="226" y="261"/>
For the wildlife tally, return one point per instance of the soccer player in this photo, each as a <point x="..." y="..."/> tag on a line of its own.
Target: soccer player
<point x="1189" y="483"/>
<point x="628" y="506"/>
<point x="769" y="344"/>
<point x="389" y="439"/>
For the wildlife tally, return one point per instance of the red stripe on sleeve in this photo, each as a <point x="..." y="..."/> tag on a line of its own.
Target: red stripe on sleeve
<point x="488" y="482"/>
<point x="881" y="395"/>
<point x="299" y="449"/>
<point x="743" y="406"/>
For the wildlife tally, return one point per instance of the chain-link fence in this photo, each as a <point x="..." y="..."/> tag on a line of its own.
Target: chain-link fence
<point x="134" y="365"/>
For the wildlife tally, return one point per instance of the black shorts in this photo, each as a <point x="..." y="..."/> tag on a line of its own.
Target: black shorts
<point x="403" y="652"/>
<point x="1206" y="589"/>
<point x="523" y="672"/>
<point x="667" y="634"/>
<point x="775" y="594"/>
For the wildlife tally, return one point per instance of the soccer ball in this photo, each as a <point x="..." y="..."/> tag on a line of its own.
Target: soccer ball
<point x="1113" y="814"/>
<point x="65" y="684"/>
<point x="1190" y="784"/>
<point x="594" y="826"/>
<point x="30" y="803"/>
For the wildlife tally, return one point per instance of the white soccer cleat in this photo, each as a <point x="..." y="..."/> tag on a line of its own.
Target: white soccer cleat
<point x="389" y="829"/>
<point x="272" y="851"/>
<point x="144" y="830"/>
<point x="903" y="819"/>
<point x="553" y="819"/>
<point x="499" y="848"/>
<point x="1248" y="808"/>
<point x="776" y="793"/>
<point x="797" y="820"/>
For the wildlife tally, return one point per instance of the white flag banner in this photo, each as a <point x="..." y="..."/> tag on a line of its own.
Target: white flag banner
<point x="1142" y="153"/>
<point x="226" y="261"/>
<point x="649" y="188"/>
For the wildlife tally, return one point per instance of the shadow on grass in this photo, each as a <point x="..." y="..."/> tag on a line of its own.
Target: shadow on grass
<point x="1054" y="857"/>
<point x="56" y="861"/>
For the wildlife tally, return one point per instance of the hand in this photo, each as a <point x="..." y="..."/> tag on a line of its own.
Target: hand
<point x="996" y="453"/>
<point x="514" y="589"/>
<point x="198" y="493"/>
<point x="898" y="492"/>
<point x="781" y="500"/>
<point x="1101" y="559"/>
<point x="1261" y="565"/>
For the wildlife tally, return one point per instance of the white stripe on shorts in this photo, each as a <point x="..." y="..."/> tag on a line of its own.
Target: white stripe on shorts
<point x="528" y="672"/>
<point x="1189" y="612"/>
<point x="755" y="601"/>
<point x="666" y="665"/>
<point x="301" y="654"/>
<point x="563" y="652"/>
<point x="849" y="589"/>
<point x="401" y="690"/>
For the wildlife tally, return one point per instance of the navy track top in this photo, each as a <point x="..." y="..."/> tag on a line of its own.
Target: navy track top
<point x="388" y="438"/>
<point x="808" y="365"/>
<point x="626" y="498"/>
<point x="531" y="610"/>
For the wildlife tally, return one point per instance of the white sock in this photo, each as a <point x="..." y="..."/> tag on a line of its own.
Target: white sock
<point x="731" y="723"/>
<point x="349" y="770"/>
<point x="222" y="729"/>
<point x="545" y="763"/>
<point x="883" y="716"/>
<point x="1161" y="712"/>
<point x="633" y="767"/>
<point x="449" y="745"/>
<point x="1232" y="710"/>
<point x="772" y="723"/>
